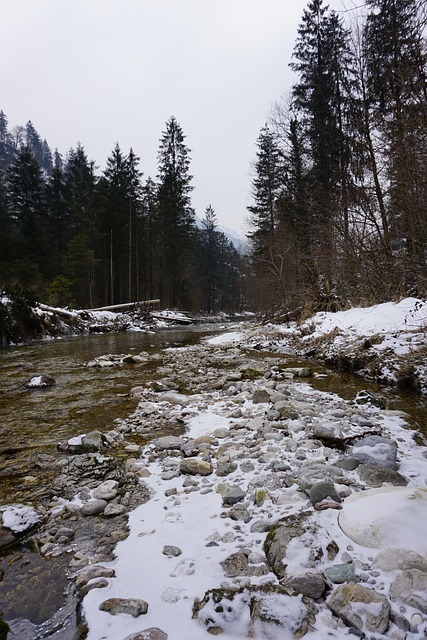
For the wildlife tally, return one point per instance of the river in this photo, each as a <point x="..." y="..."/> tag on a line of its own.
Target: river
<point x="33" y="421"/>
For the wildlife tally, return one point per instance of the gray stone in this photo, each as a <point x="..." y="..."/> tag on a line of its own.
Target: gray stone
<point x="376" y="450"/>
<point x="340" y="573"/>
<point x="239" y="512"/>
<point x="327" y="431"/>
<point x="235" y="565"/>
<point x="170" y="551"/>
<point x="312" y="473"/>
<point x="395" y="558"/>
<point x="91" y="572"/>
<point x="130" y="606"/>
<point x="93" y="507"/>
<point x="309" y="583"/>
<point x="168" y="442"/>
<point x="93" y="441"/>
<point x="195" y="466"/>
<point x="106" y="491"/>
<point x="348" y="463"/>
<point x="360" y="607"/>
<point x="375" y="476"/>
<point x="261" y="396"/>
<point x="246" y="467"/>
<point x="410" y="587"/>
<point x="112" y="510"/>
<point x="322" y="490"/>
<point x="261" y="526"/>
<point x="190" y="448"/>
<point x="234" y="495"/>
<point x="148" y="634"/>
<point x="40" y="382"/>
<point x="225" y="468"/>
<point x="279" y="537"/>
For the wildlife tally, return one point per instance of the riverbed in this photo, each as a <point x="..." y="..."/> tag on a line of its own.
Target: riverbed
<point x="34" y="421"/>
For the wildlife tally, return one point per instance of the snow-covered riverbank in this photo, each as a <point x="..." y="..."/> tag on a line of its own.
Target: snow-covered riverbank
<point x="253" y="529"/>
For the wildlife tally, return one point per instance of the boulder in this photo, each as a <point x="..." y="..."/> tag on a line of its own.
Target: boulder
<point x="340" y="573"/>
<point x="93" y="507"/>
<point x="360" y="607"/>
<point x="410" y="587"/>
<point x="322" y="490"/>
<point x="148" y="634"/>
<point x="168" y="442"/>
<point x="309" y="583"/>
<point x="376" y="450"/>
<point x="106" y="490"/>
<point x="395" y="558"/>
<point x="40" y="382"/>
<point x="375" y="476"/>
<point x="261" y="396"/>
<point x="130" y="606"/>
<point x="195" y="466"/>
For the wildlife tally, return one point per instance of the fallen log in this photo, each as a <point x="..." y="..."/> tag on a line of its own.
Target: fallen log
<point x="126" y="305"/>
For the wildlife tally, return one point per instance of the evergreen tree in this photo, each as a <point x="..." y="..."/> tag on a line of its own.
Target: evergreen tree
<point x="28" y="211"/>
<point x="80" y="186"/>
<point x="58" y="214"/>
<point x="322" y="99"/>
<point x="267" y="186"/>
<point x="397" y="94"/>
<point x="175" y="215"/>
<point x="7" y="150"/>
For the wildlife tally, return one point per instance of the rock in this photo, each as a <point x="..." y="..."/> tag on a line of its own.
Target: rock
<point x="93" y="507"/>
<point x="310" y="474"/>
<point x="376" y="450"/>
<point x="348" y="463"/>
<point x="130" y="606"/>
<point x="392" y="559"/>
<point x="263" y="611"/>
<point x="171" y="552"/>
<point x="298" y="372"/>
<point x="93" y="441"/>
<point x="20" y="517"/>
<point x="261" y="396"/>
<point x="360" y="607"/>
<point x="322" y="490"/>
<point x="327" y="431"/>
<point x="168" y="442"/>
<point x="340" y="573"/>
<point x="112" y="510"/>
<point x="235" y="565"/>
<point x="261" y="495"/>
<point x="91" y="572"/>
<point x="6" y="538"/>
<point x="225" y="468"/>
<point x="148" y="634"/>
<point x="278" y="539"/>
<point x="387" y="517"/>
<point x="234" y="495"/>
<point x="195" y="466"/>
<point x="375" y="476"/>
<point x="309" y="583"/>
<point x="410" y="587"/>
<point x="286" y="410"/>
<point x="106" y="490"/>
<point x="40" y="382"/>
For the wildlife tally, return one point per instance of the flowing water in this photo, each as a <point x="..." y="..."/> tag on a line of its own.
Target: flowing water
<point x="33" y="421"/>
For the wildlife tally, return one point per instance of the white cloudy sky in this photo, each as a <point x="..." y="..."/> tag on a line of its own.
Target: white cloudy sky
<point x="101" y="71"/>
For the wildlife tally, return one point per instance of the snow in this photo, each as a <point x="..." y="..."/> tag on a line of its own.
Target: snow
<point x="387" y="517"/>
<point x="231" y="337"/>
<point x="36" y="381"/>
<point x="20" y="517"/>
<point x="386" y="318"/>
<point x="191" y="519"/>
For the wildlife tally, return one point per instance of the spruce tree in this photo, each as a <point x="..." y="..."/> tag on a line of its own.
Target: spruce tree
<point x="175" y="216"/>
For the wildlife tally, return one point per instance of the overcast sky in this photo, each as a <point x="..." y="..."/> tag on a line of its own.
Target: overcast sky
<point x="101" y="71"/>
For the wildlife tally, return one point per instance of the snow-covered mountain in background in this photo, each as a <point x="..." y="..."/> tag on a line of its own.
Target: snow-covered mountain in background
<point x="238" y="241"/>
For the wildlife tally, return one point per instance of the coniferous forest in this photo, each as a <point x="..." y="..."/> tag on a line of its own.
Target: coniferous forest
<point x="338" y="196"/>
